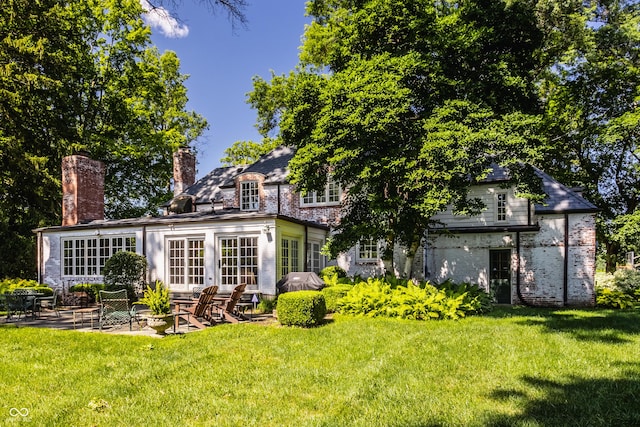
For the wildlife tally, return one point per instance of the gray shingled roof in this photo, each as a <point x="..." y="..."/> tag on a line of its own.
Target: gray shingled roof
<point x="273" y="165"/>
<point x="559" y="197"/>
<point x="205" y="188"/>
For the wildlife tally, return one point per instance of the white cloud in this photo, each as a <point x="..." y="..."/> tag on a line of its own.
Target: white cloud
<point x="160" y="18"/>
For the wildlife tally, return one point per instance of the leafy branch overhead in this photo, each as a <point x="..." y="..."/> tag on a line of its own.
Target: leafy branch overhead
<point x="407" y="104"/>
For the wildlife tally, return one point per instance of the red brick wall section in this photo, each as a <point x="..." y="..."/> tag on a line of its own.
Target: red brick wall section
<point x="184" y="170"/>
<point x="82" y="189"/>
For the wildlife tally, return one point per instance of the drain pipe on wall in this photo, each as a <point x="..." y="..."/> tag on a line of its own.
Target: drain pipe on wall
<point x="565" y="278"/>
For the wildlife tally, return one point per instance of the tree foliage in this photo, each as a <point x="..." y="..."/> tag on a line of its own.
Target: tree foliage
<point x="408" y="103"/>
<point x="81" y="76"/>
<point x="592" y="116"/>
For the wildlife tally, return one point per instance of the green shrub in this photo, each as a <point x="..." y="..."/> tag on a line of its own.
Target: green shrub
<point x="8" y="285"/>
<point x="267" y="305"/>
<point x="378" y="298"/>
<point x="91" y="289"/>
<point x="620" y="290"/>
<point x="332" y="294"/>
<point x="11" y="284"/>
<point x="125" y="270"/>
<point x="331" y="270"/>
<point x="477" y="299"/>
<point x="301" y="308"/>
<point x="613" y="298"/>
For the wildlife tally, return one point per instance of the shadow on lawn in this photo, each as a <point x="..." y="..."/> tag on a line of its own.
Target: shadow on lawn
<point x="608" y="326"/>
<point x="574" y="402"/>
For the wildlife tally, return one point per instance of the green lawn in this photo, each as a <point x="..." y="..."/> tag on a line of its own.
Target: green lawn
<point x="514" y="367"/>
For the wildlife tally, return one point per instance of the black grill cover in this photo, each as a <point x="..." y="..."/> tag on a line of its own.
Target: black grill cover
<point x="300" y="281"/>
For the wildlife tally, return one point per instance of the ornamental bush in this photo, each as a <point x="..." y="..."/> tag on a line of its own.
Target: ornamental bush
<point x="620" y="290"/>
<point x="331" y="270"/>
<point x="9" y="285"/>
<point x="332" y="294"/>
<point x="301" y="308"/>
<point x="125" y="270"/>
<point x="378" y="298"/>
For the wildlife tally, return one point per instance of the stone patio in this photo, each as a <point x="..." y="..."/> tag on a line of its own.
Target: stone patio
<point x="83" y="321"/>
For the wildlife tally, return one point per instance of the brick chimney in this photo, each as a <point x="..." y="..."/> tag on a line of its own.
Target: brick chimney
<point x="184" y="170"/>
<point x="82" y="189"/>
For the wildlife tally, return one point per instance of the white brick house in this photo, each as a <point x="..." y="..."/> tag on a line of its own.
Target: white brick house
<point x="521" y="252"/>
<point x="248" y="224"/>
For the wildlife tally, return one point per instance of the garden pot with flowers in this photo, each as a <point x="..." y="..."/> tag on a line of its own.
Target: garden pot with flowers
<point x="157" y="299"/>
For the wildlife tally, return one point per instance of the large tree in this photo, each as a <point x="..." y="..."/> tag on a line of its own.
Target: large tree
<point x="408" y="103"/>
<point x="593" y="118"/>
<point x="81" y="76"/>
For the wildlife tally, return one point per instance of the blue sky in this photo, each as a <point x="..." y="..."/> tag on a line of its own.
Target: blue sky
<point x="221" y="62"/>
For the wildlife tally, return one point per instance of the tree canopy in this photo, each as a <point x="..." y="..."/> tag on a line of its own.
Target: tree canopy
<point x="408" y="103"/>
<point x="592" y="119"/>
<point x="82" y="76"/>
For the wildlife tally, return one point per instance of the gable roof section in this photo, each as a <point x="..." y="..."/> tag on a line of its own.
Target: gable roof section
<point x="560" y="199"/>
<point x="206" y="188"/>
<point x="273" y="165"/>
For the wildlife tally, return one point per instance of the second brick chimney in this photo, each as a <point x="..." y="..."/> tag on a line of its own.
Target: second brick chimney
<point x="184" y="170"/>
<point x="82" y="189"/>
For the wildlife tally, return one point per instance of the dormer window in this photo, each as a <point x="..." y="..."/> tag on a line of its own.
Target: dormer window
<point x="330" y="196"/>
<point x="249" y="196"/>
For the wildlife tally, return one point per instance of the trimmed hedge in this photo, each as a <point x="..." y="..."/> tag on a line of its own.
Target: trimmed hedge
<point x="332" y="294"/>
<point x="301" y="308"/>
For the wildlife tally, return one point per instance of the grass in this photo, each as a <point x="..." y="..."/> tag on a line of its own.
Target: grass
<point x="516" y="367"/>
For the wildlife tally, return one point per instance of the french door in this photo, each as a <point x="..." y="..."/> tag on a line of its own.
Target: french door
<point x="238" y="261"/>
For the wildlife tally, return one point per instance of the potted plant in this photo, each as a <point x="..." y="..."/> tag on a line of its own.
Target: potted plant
<point x="157" y="300"/>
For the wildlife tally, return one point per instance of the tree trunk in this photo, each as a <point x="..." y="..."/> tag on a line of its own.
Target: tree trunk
<point x="611" y="257"/>
<point x="410" y="256"/>
<point x="387" y="257"/>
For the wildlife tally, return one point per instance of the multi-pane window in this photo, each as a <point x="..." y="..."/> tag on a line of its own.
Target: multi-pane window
<point x="330" y="195"/>
<point x="368" y="250"/>
<point x="314" y="257"/>
<point x="501" y="207"/>
<point x="249" y="196"/>
<point x="86" y="257"/>
<point x="289" y="256"/>
<point x="186" y="261"/>
<point x="238" y="260"/>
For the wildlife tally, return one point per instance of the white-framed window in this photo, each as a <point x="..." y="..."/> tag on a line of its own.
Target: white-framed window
<point x="238" y="260"/>
<point x="249" y="196"/>
<point x="86" y="256"/>
<point x="501" y="207"/>
<point x="289" y="255"/>
<point x="185" y="261"/>
<point x="315" y="259"/>
<point x="330" y="196"/>
<point x="368" y="250"/>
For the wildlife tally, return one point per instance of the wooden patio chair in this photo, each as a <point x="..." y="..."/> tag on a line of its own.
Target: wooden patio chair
<point x="115" y="309"/>
<point x="200" y="308"/>
<point x="227" y="307"/>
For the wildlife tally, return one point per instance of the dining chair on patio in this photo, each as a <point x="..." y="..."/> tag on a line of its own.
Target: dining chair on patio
<point x="115" y="309"/>
<point x="15" y="305"/>
<point x="227" y="307"/>
<point x="49" y="302"/>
